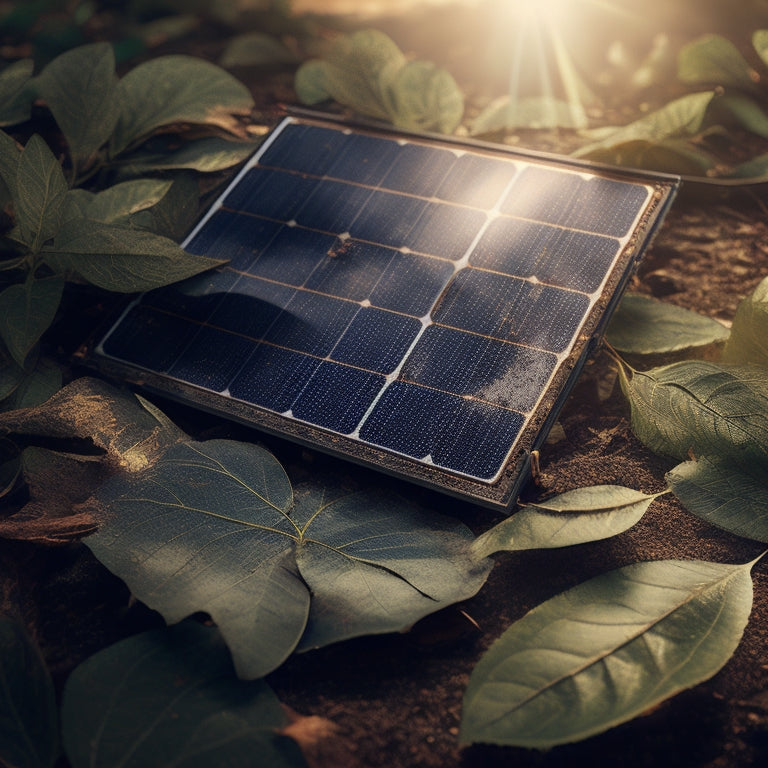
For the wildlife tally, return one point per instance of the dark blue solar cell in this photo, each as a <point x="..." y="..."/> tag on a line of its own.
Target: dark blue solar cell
<point x="351" y="270"/>
<point x="196" y="297"/>
<point x="307" y="148"/>
<point x="273" y="377"/>
<point x="477" y="181"/>
<point x="293" y="255"/>
<point x="411" y="284"/>
<point x="337" y="397"/>
<point x="511" y="309"/>
<point x="212" y="358"/>
<point x="456" y="433"/>
<point x="418" y="169"/>
<point x="387" y="219"/>
<point x="312" y="323"/>
<point x="233" y="236"/>
<point x="568" y="199"/>
<point x="149" y="338"/>
<point x="269" y="193"/>
<point x="364" y="159"/>
<point x="376" y="340"/>
<point x="445" y="230"/>
<point x="501" y="373"/>
<point x="553" y="255"/>
<point x="333" y="206"/>
<point x="251" y="307"/>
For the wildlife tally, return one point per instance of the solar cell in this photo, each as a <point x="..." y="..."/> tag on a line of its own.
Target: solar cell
<point x="412" y="303"/>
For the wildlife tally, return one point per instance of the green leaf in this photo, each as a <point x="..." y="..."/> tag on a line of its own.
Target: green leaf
<point x="748" y="342"/>
<point x="80" y="89"/>
<point x="118" y="202"/>
<point x="645" y="326"/>
<point x="15" y="95"/>
<point x="683" y="117"/>
<point x="41" y="191"/>
<point x="37" y="386"/>
<point x="731" y="497"/>
<point x="367" y="72"/>
<point x="756" y="168"/>
<point x="26" y="312"/>
<point x="170" y="697"/>
<point x="212" y="527"/>
<point x="606" y="651"/>
<point x="119" y="258"/>
<point x="177" y="89"/>
<point x="29" y="725"/>
<point x="424" y="97"/>
<point x="714" y="60"/>
<point x="256" y="49"/>
<point x="574" y="517"/>
<point x="678" y="156"/>
<point x="10" y="155"/>
<point x="377" y="564"/>
<point x="741" y="111"/>
<point x="701" y="408"/>
<point x="535" y="112"/>
<point x="176" y="213"/>
<point x="760" y="44"/>
<point x="207" y="155"/>
<point x="11" y="374"/>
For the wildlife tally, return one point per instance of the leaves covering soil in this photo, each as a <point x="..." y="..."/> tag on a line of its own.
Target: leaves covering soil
<point x="396" y="700"/>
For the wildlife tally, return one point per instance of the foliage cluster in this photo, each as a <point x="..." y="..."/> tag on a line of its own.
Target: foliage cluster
<point x="280" y="567"/>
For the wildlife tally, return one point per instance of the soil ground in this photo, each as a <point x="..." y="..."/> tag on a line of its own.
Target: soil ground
<point x="395" y="701"/>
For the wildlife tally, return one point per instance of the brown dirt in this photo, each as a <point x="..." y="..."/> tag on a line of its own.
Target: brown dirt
<point x="396" y="700"/>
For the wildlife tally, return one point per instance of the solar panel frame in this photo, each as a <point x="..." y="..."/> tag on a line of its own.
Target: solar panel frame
<point x="450" y="304"/>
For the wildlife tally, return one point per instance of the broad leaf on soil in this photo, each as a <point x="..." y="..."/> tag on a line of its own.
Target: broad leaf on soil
<point x="606" y="651"/>
<point x="40" y="193"/>
<point x="256" y="49"/>
<point x="697" y="408"/>
<point x="715" y="60"/>
<point x="120" y="258"/>
<point x="213" y="527"/>
<point x="574" y="517"/>
<point x="367" y="72"/>
<point x="29" y="723"/>
<point x="642" y="325"/>
<point x="177" y="89"/>
<point x="729" y="496"/>
<point x="170" y="697"/>
<point x="79" y="87"/>
<point x="748" y="342"/>
<point x="118" y="202"/>
<point x="26" y="311"/>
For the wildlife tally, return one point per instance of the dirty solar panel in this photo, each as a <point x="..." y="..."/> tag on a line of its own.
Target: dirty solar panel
<point x="411" y="296"/>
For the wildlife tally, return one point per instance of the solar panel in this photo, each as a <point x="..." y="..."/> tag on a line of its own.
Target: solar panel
<point x="412" y="303"/>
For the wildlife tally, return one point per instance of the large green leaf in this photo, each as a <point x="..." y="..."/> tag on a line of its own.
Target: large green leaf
<point x="701" y="408"/>
<point x="177" y="89"/>
<point x="10" y="155"/>
<point x="730" y="496"/>
<point x="642" y="325"/>
<point x="256" y="49"/>
<point x="80" y="89"/>
<point x="119" y="258"/>
<point x="367" y="72"/>
<point x="681" y="118"/>
<point x="213" y="527"/>
<point x="574" y="517"/>
<point x="40" y="382"/>
<point x="29" y="723"/>
<point x="40" y="193"/>
<point x="606" y="651"/>
<point x="15" y="95"/>
<point x="715" y="60"/>
<point x="170" y="698"/>
<point x="760" y="44"/>
<point x="748" y="342"/>
<point x="207" y="155"/>
<point x="26" y="311"/>
<point x="377" y="564"/>
<point x="118" y="202"/>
